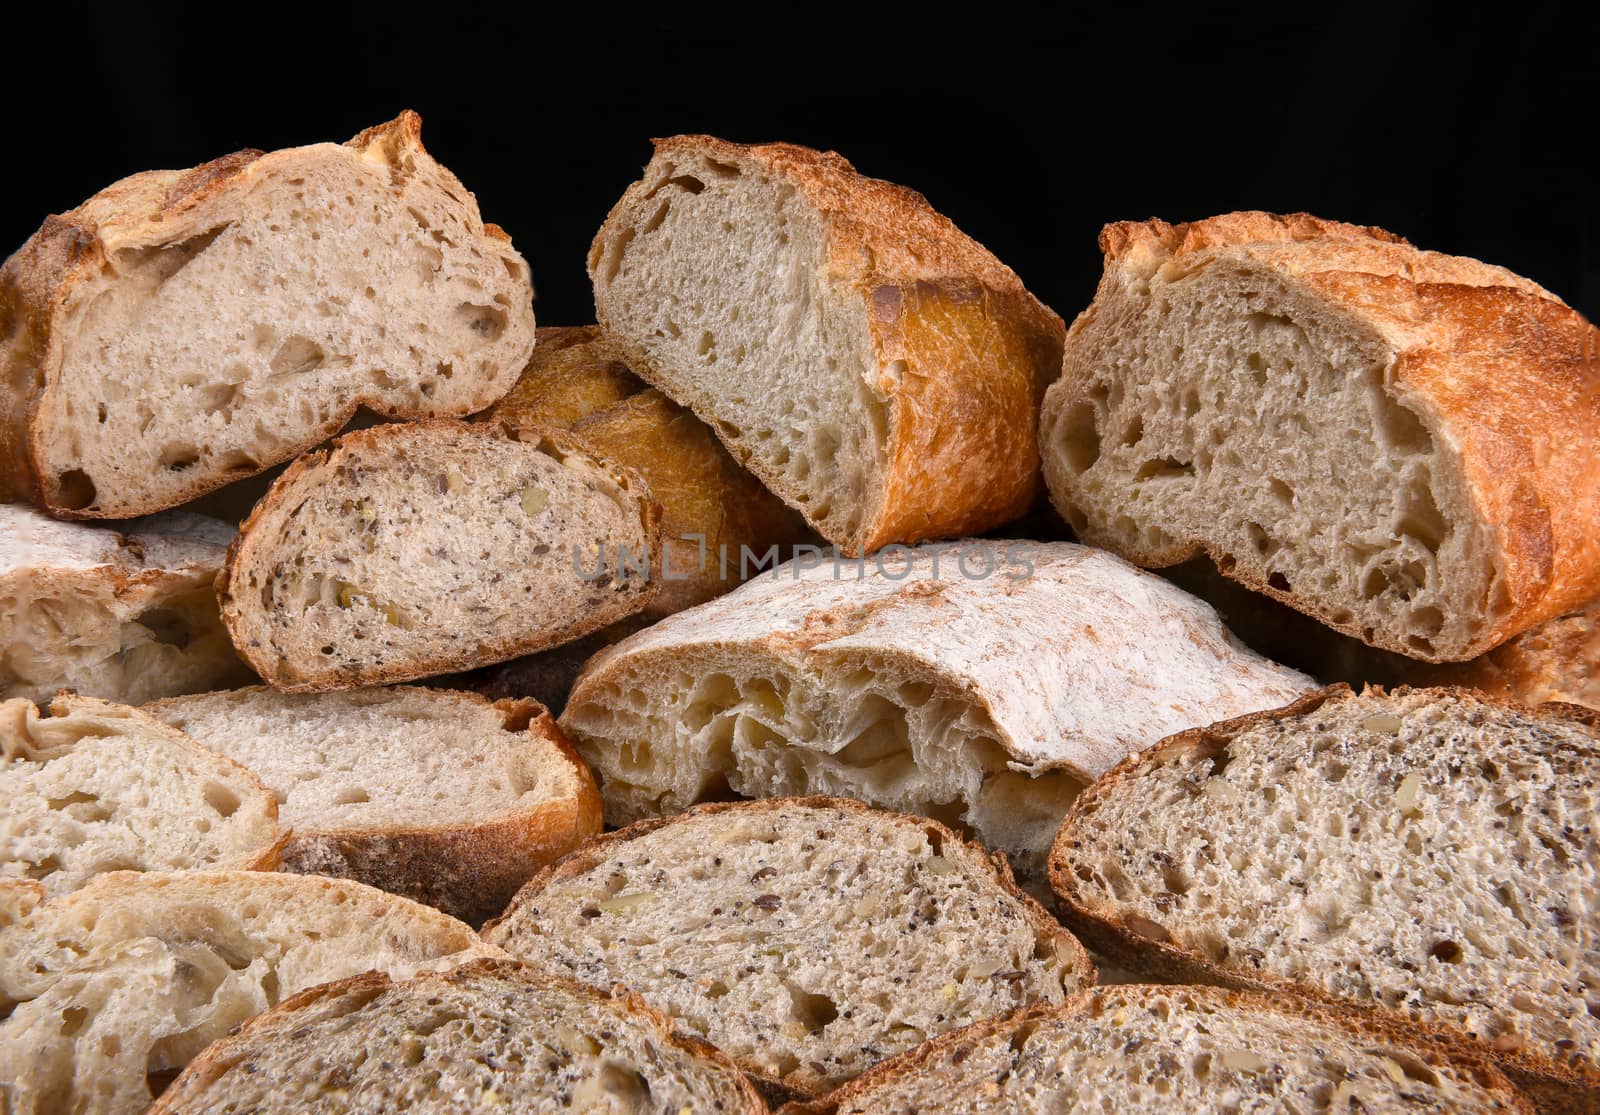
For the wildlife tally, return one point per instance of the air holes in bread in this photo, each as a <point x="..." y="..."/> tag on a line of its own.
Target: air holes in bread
<point x="1080" y="438"/>
<point x="297" y="356"/>
<point x="221" y="799"/>
<point x="75" y="491"/>
<point x="487" y="322"/>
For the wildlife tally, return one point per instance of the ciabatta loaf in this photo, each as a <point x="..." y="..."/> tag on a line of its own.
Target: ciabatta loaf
<point x="106" y="993"/>
<point x="486" y="1036"/>
<point x="807" y="938"/>
<point x="436" y="795"/>
<point x="986" y="683"/>
<point x="94" y="787"/>
<point x="128" y="615"/>
<point x="420" y="548"/>
<point x="874" y="366"/>
<point x="182" y="329"/>
<point x="1427" y="856"/>
<point x="1403" y="444"/>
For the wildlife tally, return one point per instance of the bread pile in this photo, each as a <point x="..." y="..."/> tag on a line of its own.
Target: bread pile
<point x="754" y="537"/>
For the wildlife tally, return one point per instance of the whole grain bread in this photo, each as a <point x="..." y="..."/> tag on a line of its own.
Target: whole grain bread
<point x="421" y="548"/>
<point x="487" y="1035"/>
<point x="106" y="993"/>
<point x="126" y="614"/>
<point x="436" y="795"/>
<point x="1426" y="856"/>
<point x="983" y="683"/>
<point x="182" y="329"/>
<point x="1403" y="444"/>
<point x="874" y="366"/>
<point x="807" y="938"/>
<point x="95" y="787"/>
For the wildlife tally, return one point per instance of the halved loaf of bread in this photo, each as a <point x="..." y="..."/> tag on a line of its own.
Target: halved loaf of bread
<point x="94" y="787"/>
<point x="808" y="938"/>
<point x="420" y="548"/>
<point x="182" y="329"/>
<point x="436" y="795"/>
<point x="1426" y="855"/>
<point x="1403" y="444"/>
<point x="711" y="509"/>
<point x="1198" y="1050"/>
<point x="128" y="615"/>
<point x="486" y="1036"/>
<point x="984" y="683"/>
<point x="874" y="366"/>
<point x="106" y="993"/>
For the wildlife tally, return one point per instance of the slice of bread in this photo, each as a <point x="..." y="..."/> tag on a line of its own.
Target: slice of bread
<point x="420" y="548"/>
<point x="805" y="937"/>
<point x="436" y="795"/>
<point x="486" y="1036"/>
<point x="128" y="615"/>
<point x="1198" y="1050"/>
<point x="578" y="380"/>
<point x="106" y="993"/>
<point x="1403" y="444"/>
<point x="1426" y="855"/>
<point x="182" y="329"/>
<point x="874" y="366"/>
<point x="95" y="787"/>
<point x="983" y="683"/>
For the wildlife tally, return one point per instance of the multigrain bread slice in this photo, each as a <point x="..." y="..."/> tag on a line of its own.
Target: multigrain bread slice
<point x="1403" y="444"/>
<point x="1427" y="856"/>
<point x="711" y="509"/>
<point x="106" y="993"/>
<point x="182" y="329"/>
<point x="1193" y="1049"/>
<point x="808" y="938"/>
<point x="436" y="795"/>
<point x="95" y="787"/>
<point x="420" y="548"/>
<point x="128" y="614"/>
<point x="983" y="683"/>
<point x="874" y="366"/>
<point x="488" y="1035"/>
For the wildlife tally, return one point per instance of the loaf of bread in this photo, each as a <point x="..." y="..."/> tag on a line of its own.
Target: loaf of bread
<point x="439" y="796"/>
<point x="805" y="937"/>
<point x="1198" y="1050"/>
<point x="1403" y="444"/>
<point x="106" y="993"/>
<point x="420" y="548"/>
<point x="182" y="329"/>
<point x="94" y="787"/>
<point x="985" y="682"/>
<point x="128" y="615"/>
<point x="1426" y="856"/>
<point x="711" y="508"/>
<point x="874" y="366"/>
<point x="486" y="1036"/>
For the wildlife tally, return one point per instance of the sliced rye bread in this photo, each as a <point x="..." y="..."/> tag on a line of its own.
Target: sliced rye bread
<point x="106" y="993"/>
<point x="93" y="787"/>
<point x="183" y="329"/>
<point x="807" y="938"/>
<point x="1424" y="855"/>
<point x="436" y="795"/>
<point x="421" y="548"/>
<point x="485" y="1036"/>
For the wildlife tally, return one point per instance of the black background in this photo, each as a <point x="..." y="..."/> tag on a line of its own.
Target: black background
<point x="1466" y="133"/>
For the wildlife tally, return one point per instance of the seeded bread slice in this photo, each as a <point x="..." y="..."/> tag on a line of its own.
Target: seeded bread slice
<point x="1426" y="855"/>
<point x="808" y="938"/>
<point x="420" y="548"/>
<point x="436" y="795"/>
<point x="95" y="787"/>
<point x="107" y="992"/>
<point x="182" y="329"/>
<point x="487" y="1035"/>
<point x="127" y="614"/>
<point x="1199" y="1050"/>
